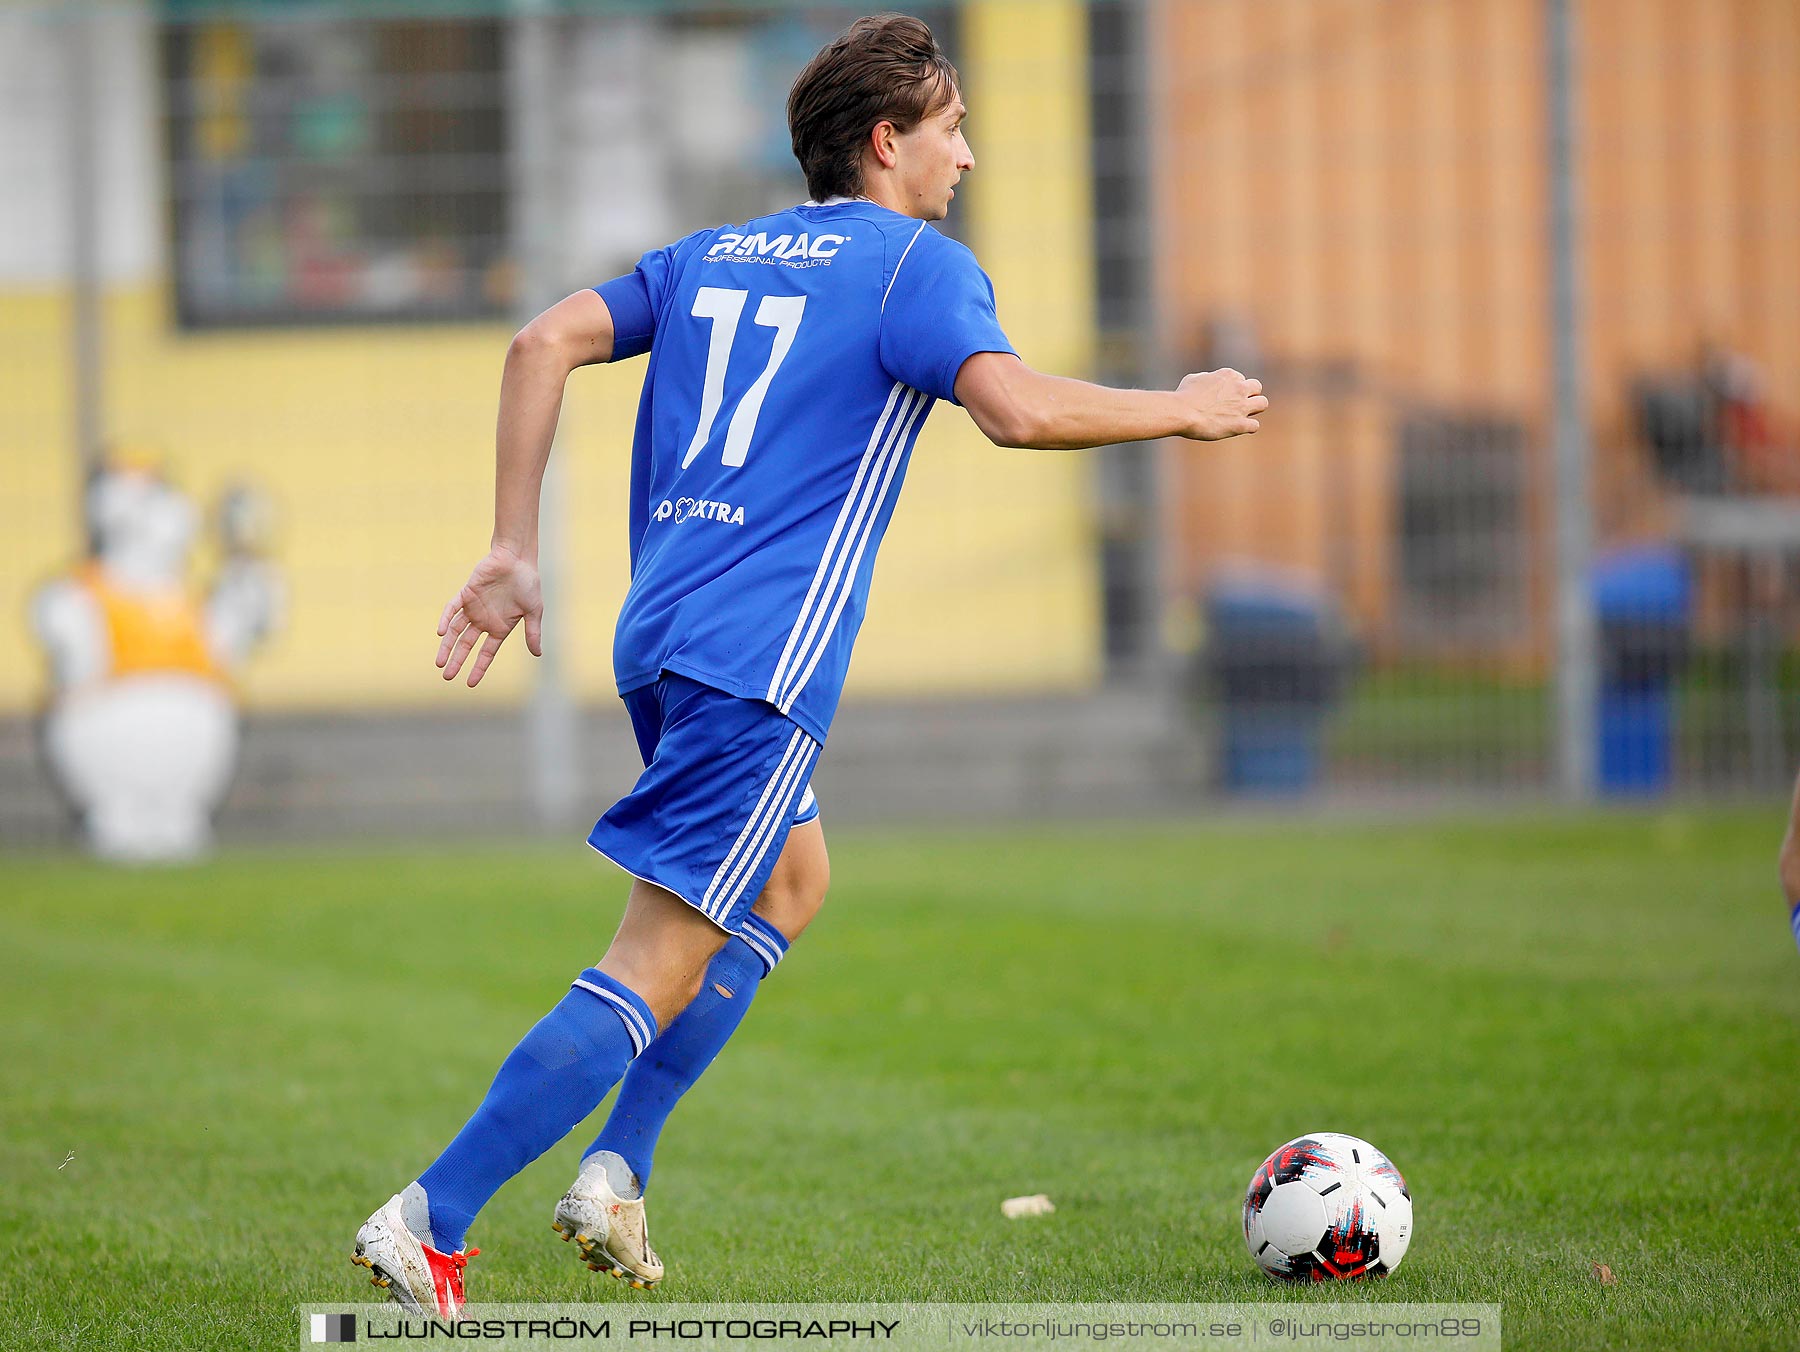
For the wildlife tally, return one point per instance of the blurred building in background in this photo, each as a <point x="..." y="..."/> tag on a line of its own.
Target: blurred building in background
<point x="287" y="242"/>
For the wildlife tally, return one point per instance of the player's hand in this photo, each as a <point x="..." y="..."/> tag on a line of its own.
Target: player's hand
<point x="1225" y="403"/>
<point x="501" y="591"/>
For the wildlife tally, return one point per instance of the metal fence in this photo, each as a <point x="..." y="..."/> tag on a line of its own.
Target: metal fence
<point x="1520" y="277"/>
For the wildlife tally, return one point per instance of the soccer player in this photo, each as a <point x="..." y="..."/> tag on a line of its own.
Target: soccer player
<point x="792" y="362"/>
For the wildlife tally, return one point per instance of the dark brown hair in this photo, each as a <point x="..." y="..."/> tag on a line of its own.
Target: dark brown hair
<point x="885" y="68"/>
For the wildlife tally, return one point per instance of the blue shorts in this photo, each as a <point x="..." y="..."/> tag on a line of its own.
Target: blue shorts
<point x="724" y="781"/>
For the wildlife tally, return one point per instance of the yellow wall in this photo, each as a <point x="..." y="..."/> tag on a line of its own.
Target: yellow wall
<point x="1025" y="68"/>
<point x="376" y="447"/>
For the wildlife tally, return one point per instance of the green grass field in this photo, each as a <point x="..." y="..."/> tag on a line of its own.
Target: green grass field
<point x="1580" y="1039"/>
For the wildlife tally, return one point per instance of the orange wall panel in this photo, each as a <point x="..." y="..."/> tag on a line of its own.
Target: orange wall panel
<point x="1365" y="182"/>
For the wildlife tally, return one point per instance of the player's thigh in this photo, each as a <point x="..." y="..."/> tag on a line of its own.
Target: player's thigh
<point x="796" y="889"/>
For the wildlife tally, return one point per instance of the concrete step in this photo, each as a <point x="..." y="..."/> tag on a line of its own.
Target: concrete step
<point x="322" y="776"/>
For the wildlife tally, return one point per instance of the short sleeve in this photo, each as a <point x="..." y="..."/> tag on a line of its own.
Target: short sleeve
<point x="937" y="313"/>
<point x="636" y="299"/>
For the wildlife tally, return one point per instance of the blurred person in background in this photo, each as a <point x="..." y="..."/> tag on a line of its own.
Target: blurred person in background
<point x="792" y="362"/>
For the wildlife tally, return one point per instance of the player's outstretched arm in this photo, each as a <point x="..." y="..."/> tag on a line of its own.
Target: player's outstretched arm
<point x="503" y="590"/>
<point x="1790" y="864"/>
<point x="1014" y="405"/>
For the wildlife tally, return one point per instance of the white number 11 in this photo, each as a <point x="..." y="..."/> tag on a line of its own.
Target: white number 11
<point x="725" y="307"/>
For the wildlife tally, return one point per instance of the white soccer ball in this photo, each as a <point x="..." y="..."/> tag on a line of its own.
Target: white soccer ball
<point x="1327" y="1207"/>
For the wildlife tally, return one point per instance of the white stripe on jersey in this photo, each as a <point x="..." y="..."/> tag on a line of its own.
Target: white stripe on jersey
<point x="855" y="517"/>
<point x="795" y="774"/>
<point x="837" y="530"/>
<point x="892" y="454"/>
<point x="737" y="845"/>
<point x="902" y="263"/>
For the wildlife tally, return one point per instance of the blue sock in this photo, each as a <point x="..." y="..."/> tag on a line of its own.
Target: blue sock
<point x="553" y="1079"/>
<point x="1793" y="920"/>
<point x="665" y="1072"/>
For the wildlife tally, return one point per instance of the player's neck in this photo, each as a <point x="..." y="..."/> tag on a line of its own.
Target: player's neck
<point x="891" y="196"/>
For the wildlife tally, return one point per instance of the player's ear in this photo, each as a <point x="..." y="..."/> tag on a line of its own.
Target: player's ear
<point x="883" y="142"/>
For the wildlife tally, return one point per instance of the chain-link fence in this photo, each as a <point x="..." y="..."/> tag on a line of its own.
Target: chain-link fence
<point x="273" y="252"/>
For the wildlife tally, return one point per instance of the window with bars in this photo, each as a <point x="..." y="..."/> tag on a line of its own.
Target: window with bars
<point x="332" y="171"/>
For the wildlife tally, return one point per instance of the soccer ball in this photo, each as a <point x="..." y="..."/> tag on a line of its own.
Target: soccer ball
<point x="1327" y="1207"/>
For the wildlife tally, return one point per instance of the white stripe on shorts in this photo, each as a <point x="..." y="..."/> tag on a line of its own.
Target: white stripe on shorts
<point x="765" y="834"/>
<point x="794" y="748"/>
<point x="773" y="818"/>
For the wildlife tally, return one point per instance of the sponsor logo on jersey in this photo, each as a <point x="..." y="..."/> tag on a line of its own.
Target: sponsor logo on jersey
<point x="793" y="251"/>
<point x="698" y="509"/>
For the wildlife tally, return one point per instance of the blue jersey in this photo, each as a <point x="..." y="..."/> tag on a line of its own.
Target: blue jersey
<point x="793" y="360"/>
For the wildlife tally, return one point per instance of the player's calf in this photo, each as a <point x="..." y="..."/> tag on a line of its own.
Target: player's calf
<point x="662" y="950"/>
<point x="603" y="1211"/>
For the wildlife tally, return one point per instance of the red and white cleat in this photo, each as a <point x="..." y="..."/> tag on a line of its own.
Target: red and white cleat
<point x="416" y="1276"/>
